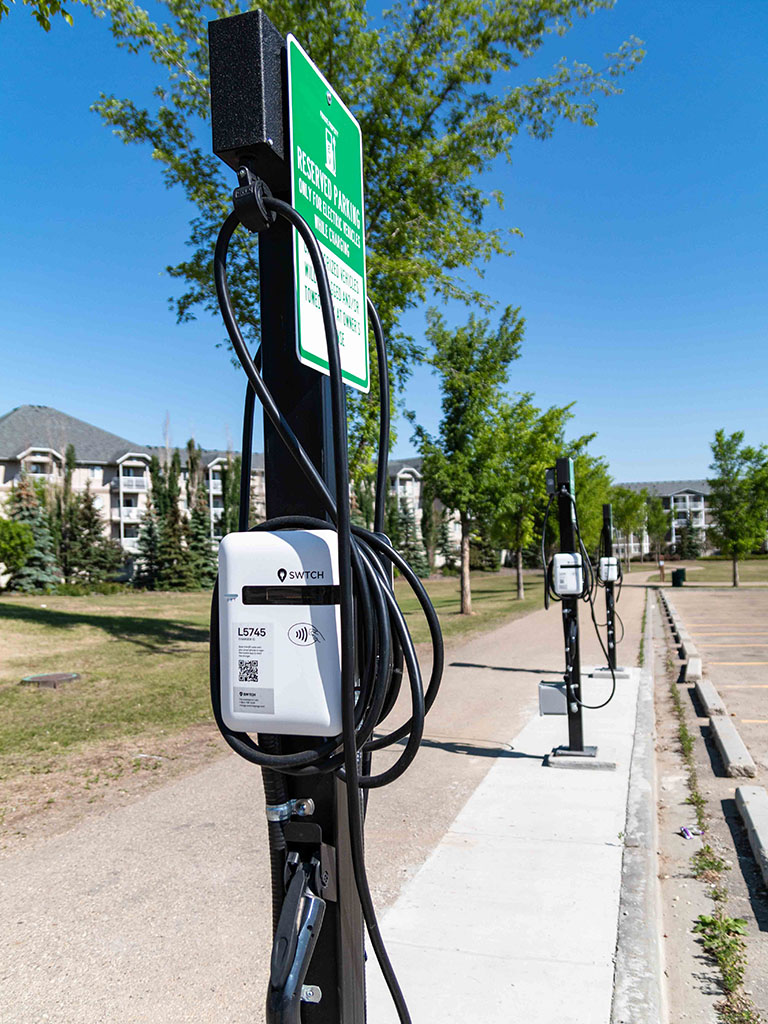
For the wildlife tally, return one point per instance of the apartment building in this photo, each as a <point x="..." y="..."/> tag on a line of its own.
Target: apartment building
<point x="34" y="440"/>
<point x="687" y="500"/>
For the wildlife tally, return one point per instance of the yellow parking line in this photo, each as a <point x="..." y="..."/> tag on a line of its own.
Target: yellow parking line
<point x="742" y="686"/>
<point x="707" y="644"/>
<point x="734" y="632"/>
<point x="755" y="721"/>
<point x="737" y="662"/>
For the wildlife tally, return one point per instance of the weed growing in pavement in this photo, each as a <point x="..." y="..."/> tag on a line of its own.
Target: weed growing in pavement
<point x="721" y="936"/>
<point x="706" y="862"/>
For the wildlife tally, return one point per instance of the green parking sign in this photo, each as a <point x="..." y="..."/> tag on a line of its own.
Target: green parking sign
<point x="327" y="190"/>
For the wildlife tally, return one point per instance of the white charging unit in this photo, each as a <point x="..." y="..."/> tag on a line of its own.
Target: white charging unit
<point x="568" y="574"/>
<point x="279" y="628"/>
<point x="608" y="569"/>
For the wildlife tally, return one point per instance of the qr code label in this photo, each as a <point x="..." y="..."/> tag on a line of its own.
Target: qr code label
<point x="248" y="670"/>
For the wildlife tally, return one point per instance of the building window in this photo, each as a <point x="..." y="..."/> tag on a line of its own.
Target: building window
<point x="133" y="471"/>
<point x="94" y="472"/>
<point x="131" y="532"/>
<point x="130" y="501"/>
<point x="37" y="468"/>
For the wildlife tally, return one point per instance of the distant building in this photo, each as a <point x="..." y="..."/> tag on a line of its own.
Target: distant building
<point x="687" y="499"/>
<point x="34" y="439"/>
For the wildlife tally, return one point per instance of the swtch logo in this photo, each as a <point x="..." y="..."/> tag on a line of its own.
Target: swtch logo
<point x="304" y="634"/>
<point x="281" y="574"/>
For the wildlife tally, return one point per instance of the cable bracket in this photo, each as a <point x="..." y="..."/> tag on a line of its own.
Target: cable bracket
<point x="248" y="199"/>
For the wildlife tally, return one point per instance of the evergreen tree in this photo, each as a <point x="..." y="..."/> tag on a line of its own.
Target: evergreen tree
<point x="392" y="521"/>
<point x="410" y="543"/>
<point x="688" y="544"/>
<point x="148" y="560"/>
<point x="16" y="543"/>
<point x="430" y="520"/>
<point x="444" y="545"/>
<point x="39" y="571"/>
<point x="199" y="542"/>
<point x="230" y="492"/>
<point x="93" y="557"/>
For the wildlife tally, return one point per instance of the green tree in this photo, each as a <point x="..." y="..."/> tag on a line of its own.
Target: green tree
<point x="410" y="544"/>
<point x="199" y="543"/>
<point x="532" y="439"/>
<point x="593" y="490"/>
<point x="440" y="93"/>
<point x="430" y="521"/>
<point x="230" y="492"/>
<point x="42" y="11"/>
<point x="147" y="569"/>
<point x="739" y="496"/>
<point x="688" y="543"/>
<point x="39" y="571"/>
<point x="462" y="463"/>
<point x="16" y="543"/>
<point x="628" y="515"/>
<point x="93" y="557"/>
<point x="658" y="521"/>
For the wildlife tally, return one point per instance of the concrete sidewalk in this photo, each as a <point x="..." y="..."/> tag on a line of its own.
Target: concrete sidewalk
<point x="514" y="916"/>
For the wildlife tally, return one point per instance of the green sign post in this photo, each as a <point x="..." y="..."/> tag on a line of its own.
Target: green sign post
<point x="327" y="190"/>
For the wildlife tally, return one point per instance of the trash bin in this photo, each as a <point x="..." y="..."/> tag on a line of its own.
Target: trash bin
<point x="678" y="577"/>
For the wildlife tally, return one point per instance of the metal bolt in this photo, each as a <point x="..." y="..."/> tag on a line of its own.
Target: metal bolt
<point x="329" y="97"/>
<point x="304" y="807"/>
<point x="311" y="994"/>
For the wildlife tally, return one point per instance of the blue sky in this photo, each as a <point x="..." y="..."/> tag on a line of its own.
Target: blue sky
<point x="641" y="273"/>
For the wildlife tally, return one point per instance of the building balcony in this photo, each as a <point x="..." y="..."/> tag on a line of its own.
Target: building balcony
<point x="130" y="483"/>
<point x="215" y="486"/>
<point x="217" y="513"/>
<point x="130" y="544"/>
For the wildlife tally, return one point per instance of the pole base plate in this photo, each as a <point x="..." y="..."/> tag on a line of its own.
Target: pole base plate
<point x="563" y="757"/>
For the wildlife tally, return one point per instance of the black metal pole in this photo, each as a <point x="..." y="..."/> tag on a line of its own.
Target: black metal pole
<point x="570" y="606"/>
<point x="249" y="113"/>
<point x="610" y="605"/>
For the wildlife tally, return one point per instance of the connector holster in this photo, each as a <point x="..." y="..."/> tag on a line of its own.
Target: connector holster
<point x="248" y="199"/>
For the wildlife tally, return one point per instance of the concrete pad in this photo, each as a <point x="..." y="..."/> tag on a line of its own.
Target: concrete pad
<point x="752" y="802"/>
<point x="515" y="913"/>
<point x="736" y="757"/>
<point x="709" y="698"/>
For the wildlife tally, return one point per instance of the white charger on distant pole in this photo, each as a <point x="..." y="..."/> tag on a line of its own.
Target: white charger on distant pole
<point x="608" y="569"/>
<point x="279" y="623"/>
<point x="568" y="574"/>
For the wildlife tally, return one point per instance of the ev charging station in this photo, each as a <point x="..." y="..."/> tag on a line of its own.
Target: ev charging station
<point x="569" y="578"/>
<point x="609" y="576"/>
<point x="309" y="650"/>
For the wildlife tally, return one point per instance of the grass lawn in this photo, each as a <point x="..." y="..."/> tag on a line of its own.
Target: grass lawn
<point x="143" y="661"/>
<point x="751" y="570"/>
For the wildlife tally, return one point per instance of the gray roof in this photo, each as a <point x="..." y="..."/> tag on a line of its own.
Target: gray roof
<point x="30" y="426"/>
<point x="395" y="465"/>
<point x="39" y="426"/>
<point x="666" y="488"/>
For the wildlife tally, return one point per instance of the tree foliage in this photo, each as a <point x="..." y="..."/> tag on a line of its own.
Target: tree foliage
<point x="440" y="93"/>
<point x="16" y="543"/>
<point x="658" y="521"/>
<point x="39" y="570"/>
<point x="92" y="557"/>
<point x="42" y="11"/>
<point x="462" y="464"/>
<point x="628" y="514"/>
<point x="739" y="496"/>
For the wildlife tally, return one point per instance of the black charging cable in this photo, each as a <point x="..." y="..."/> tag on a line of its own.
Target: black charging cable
<point x="365" y="558"/>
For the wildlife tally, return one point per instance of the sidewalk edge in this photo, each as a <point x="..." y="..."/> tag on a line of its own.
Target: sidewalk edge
<point x="638" y="985"/>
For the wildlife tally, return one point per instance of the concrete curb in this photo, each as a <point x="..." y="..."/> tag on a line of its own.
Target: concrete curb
<point x="736" y="757"/>
<point x="709" y="698"/>
<point x="693" y="669"/>
<point x="752" y="802"/>
<point x="637" y="988"/>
